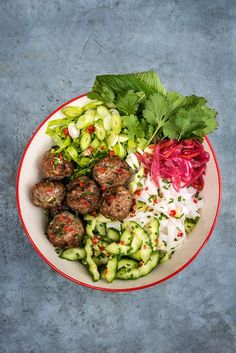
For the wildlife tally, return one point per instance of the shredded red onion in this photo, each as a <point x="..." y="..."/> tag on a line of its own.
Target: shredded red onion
<point x="182" y="162"/>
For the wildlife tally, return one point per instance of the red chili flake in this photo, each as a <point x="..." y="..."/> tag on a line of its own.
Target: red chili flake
<point x="111" y="153"/>
<point x="102" y="170"/>
<point x="195" y="200"/>
<point x="172" y="213"/>
<point x="119" y="170"/>
<point x="94" y="213"/>
<point x="68" y="229"/>
<point x="180" y="234"/>
<point x="102" y="148"/>
<point x="155" y="201"/>
<point x="81" y="184"/>
<point x="138" y="192"/>
<point x="90" y="129"/>
<point x="49" y="189"/>
<point x="106" y="159"/>
<point x="145" y="246"/>
<point x="84" y="202"/>
<point x="102" y="248"/>
<point x="156" y="240"/>
<point x="60" y="157"/>
<point x="146" y="188"/>
<point x="95" y="240"/>
<point x="66" y="131"/>
<point x="121" y="242"/>
<point x="103" y="188"/>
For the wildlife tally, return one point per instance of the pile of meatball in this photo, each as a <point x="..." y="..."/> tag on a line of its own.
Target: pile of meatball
<point x="105" y="192"/>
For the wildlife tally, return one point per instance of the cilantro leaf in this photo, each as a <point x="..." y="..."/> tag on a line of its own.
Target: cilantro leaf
<point x="127" y="102"/>
<point x="134" y="126"/>
<point x="157" y="106"/>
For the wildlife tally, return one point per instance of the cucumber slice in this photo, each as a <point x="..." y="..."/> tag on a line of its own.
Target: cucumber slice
<point x="102" y="111"/>
<point x="85" y="141"/>
<point x="100" y="227"/>
<point x="100" y="132"/>
<point x="114" y="112"/>
<point x="113" y="248"/>
<point x="136" y="255"/>
<point x="102" y="219"/>
<point x="116" y="123"/>
<point x="112" y="139"/>
<point x="110" y="272"/>
<point x="127" y="263"/>
<point x="89" y="217"/>
<point x="165" y="258"/>
<point x="90" y="227"/>
<point x="126" y="237"/>
<point x="90" y="112"/>
<point x="113" y="234"/>
<point x="99" y="261"/>
<point x="135" y="244"/>
<point x="145" y="251"/>
<point x="153" y="230"/>
<point x="91" y="264"/>
<point x="71" y="111"/>
<point x="84" y="121"/>
<point x="73" y="254"/>
<point x="143" y="270"/>
<point x="84" y="161"/>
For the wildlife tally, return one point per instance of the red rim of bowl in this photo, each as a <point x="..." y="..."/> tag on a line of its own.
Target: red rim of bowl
<point x="94" y="286"/>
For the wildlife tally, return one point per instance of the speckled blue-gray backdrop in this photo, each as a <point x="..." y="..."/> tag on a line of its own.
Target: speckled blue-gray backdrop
<point x="50" y="51"/>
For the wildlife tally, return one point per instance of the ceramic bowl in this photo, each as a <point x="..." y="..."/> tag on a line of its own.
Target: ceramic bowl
<point x="33" y="219"/>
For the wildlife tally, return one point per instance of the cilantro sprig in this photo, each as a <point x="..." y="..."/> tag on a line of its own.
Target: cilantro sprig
<point x="150" y="112"/>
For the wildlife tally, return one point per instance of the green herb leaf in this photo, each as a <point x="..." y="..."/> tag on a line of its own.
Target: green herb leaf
<point x="127" y="102"/>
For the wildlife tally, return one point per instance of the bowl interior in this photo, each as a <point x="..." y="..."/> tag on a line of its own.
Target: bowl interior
<point x="34" y="221"/>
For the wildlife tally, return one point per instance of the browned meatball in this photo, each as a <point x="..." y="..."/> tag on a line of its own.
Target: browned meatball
<point x="116" y="203"/>
<point x="111" y="171"/>
<point x="83" y="195"/>
<point x="48" y="194"/>
<point x="65" y="230"/>
<point x="55" y="166"/>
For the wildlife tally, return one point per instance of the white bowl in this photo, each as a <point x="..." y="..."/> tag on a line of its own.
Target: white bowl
<point x="33" y="219"/>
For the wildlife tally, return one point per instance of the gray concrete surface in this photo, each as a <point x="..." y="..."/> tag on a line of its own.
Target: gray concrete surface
<point x="50" y="51"/>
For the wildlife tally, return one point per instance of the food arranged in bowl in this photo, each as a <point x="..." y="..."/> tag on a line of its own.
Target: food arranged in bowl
<point x="122" y="184"/>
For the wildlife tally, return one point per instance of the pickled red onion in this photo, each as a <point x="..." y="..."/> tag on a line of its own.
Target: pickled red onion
<point x="182" y="162"/>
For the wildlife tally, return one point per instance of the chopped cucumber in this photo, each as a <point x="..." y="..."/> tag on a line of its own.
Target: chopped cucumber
<point x="133" y="187"/>
<point x="103" y="219"/>
<point x="90" y="227"/>
<point x="73" y="254"/>
<point x="165" y="258"/>
<point x="71" y="111"/>
<point x="136" y="255"/>
<point x="113" y="234"/>
<point x="126" y="237"/>
<point x="123" y="138"/>
<point x="113" y="248"/>
<point x="153" y="230"/>
<point x="135" y="244"/>
<point x="100" y="260"/>
<point x="110" y="271"/>
<point x="116" y="123"/>
<point x="100" y="227"/>
<point x="143" y="270"/>
<point x="127" y="263"/>
<point x="85" y="140"/>
<point x="91" y="264"/>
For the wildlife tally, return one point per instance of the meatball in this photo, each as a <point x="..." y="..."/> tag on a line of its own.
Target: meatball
<point x="65" y="230"/>
<point x="55" y="166"/>
<point x="111" y="171"/>
<point x="48" y="194"/>
<point x="116" y="203"/>
<point x="83" y="195"/>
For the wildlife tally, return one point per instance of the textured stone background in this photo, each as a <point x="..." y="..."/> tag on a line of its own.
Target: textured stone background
<point x="50" y="51"/>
